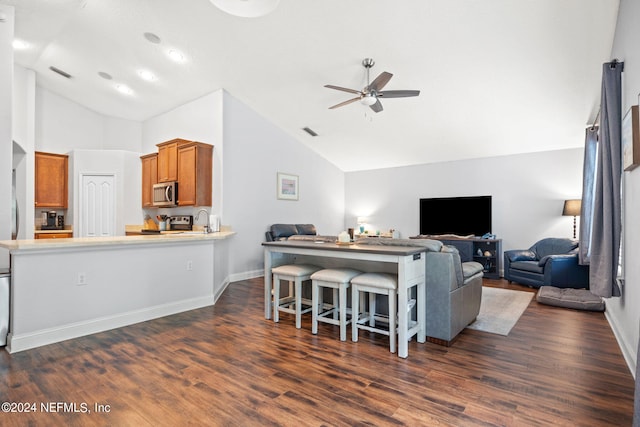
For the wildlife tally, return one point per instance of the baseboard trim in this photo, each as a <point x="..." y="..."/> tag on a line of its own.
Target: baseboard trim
<point x="628" y="353"/>
<point x="246" y="275"/>
<point x="227" y="281"/>
<point x="16" y="343"/>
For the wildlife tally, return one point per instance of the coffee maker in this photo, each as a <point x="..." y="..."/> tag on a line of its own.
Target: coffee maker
<point x="51" y="221"/>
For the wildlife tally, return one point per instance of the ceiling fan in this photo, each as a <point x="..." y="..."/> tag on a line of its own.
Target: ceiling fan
<point x="371" y="93"/>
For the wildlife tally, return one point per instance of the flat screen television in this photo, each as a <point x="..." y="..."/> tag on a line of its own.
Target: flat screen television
<point x="462" y="216"/>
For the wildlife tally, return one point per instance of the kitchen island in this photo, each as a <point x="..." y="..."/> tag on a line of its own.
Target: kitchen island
<point x="67" y="288"/>
<point x="407" y="262"/>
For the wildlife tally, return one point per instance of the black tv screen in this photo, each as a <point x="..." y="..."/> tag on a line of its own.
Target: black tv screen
<point x="456" y="215"/>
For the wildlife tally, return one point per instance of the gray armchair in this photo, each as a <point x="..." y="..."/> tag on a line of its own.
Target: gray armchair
<point x="549" y="262"/>
<point x="454" y="293"/>
<point x="454" y="288"/>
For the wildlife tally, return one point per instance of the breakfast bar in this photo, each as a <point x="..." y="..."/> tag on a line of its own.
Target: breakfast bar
<point x="408" y="262"/>
<point x="70" y="287"/>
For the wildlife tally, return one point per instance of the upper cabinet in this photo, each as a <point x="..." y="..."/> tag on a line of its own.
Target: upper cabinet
<point x="195" y="168"/>
<point x="149" y="177"/>
<point x="168" y="160"/>
<point x="52" y="171"/>
<point x="190" y="163"/>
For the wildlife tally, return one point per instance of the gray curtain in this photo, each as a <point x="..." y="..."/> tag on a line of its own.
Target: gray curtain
<point x="604" y="245"/>
<point x="588" y="188"/>
<point x="636" y="397"/>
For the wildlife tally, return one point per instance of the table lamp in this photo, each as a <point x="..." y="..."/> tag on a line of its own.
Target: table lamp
<point x="361" y="220"/>
<point x="572" y="208"/>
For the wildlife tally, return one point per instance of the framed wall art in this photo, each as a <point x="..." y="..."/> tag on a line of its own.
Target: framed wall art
<point x="287" y="186"/>
<point x="630" y="139"/>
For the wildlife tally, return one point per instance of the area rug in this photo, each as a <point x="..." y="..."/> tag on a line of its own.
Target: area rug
<point x="500" y="309"/>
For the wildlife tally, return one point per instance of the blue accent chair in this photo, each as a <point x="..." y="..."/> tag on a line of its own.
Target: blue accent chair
<point x="549" y="262"/>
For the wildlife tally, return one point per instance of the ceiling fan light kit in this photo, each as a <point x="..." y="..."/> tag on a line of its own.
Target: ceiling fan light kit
<point x="368" y="100"/>
<point x="373" y="90"/>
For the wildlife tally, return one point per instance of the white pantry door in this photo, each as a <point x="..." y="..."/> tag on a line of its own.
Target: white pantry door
<point x="97" y="205"/>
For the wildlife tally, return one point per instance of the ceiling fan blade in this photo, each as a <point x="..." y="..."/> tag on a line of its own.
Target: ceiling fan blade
<point x="344" y="89"/>
<point x="377" y="107"/>
<point x="380" y="81"/>
<point x="345" y="103"/>
<point x="398" y="93"/>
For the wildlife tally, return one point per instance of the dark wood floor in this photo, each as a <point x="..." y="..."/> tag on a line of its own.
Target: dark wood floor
<point x="227" y="365"/>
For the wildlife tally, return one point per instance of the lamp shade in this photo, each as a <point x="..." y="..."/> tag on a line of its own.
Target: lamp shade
<point x="572" y="207"/>
<point x="361" y="220"/>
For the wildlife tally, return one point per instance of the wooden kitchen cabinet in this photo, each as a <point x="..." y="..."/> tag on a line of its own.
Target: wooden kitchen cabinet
<point x="51" y="180"/>
<point x="60" y="235"/>
<point x="149" y="177"/>
<point x="195" y="169"/>
<point x="168" y="159"/>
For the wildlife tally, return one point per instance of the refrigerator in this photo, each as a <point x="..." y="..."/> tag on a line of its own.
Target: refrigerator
<point x="5" y="274"/>
<point x="5" y="277"/>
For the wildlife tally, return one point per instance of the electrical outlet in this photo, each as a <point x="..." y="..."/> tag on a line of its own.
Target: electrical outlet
<point x="82" y="279"/>
<point x="189" y="265"/>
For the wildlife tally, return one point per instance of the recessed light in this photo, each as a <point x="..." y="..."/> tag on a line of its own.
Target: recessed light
<point x="124" y="89"/>
<point x="20" y="44"/>
<point x="146" y="75"/>
<point x="176" y="55"/>
<point x="104" y="75"/>
<point x="152" y="38"/>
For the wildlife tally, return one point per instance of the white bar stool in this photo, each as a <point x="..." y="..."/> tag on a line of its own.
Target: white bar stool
<point x="374" y="283"/>
<point x="337" y="279"/>
<point x="295" y="274"/>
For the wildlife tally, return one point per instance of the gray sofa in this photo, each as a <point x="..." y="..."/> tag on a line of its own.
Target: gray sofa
<point x="454" y="288"/>
<point x="279" y="232"/>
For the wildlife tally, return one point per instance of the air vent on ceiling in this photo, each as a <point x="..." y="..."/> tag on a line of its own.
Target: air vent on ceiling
<point x="153" y="38"/>
<point x="309" y="131"/>
<point x="59" y="71"/>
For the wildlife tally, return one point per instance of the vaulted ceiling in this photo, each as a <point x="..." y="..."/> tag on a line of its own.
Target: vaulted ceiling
<point x="497" y="77"/>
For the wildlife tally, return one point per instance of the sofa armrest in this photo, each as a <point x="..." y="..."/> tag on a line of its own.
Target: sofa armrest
<point x="548" y="258"/>
<point x="268" y="236"/>
<point x="565" y="272"/>
<point x="520" y="255"/>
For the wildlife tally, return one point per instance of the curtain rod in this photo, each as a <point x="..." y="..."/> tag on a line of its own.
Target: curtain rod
<point x="614" y="62"/>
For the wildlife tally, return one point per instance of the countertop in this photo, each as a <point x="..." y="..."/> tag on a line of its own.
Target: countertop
<point x="331" y="246"/>
<point x="80" y="242"/>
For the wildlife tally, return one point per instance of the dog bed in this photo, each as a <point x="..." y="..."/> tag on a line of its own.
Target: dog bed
<point x="579" y="299"/>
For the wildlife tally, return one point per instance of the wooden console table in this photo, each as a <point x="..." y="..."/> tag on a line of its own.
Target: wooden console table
<point x="407" y="261"/>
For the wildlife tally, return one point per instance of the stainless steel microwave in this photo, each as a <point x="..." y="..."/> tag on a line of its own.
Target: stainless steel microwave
<point x="165" y="194"/>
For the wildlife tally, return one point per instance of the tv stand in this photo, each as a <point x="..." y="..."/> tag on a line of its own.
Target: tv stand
<point x="469" y="247"/>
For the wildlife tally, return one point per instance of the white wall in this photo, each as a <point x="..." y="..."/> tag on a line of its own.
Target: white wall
<point x="528" y="193"/>
<point x="24" y="94"/>
<point x="199" y="120"/>
<point x="624" y="312"/>
<point x="255" y="151"/>
<point x="6" y="146"/>
<point x="63" y="125"/>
